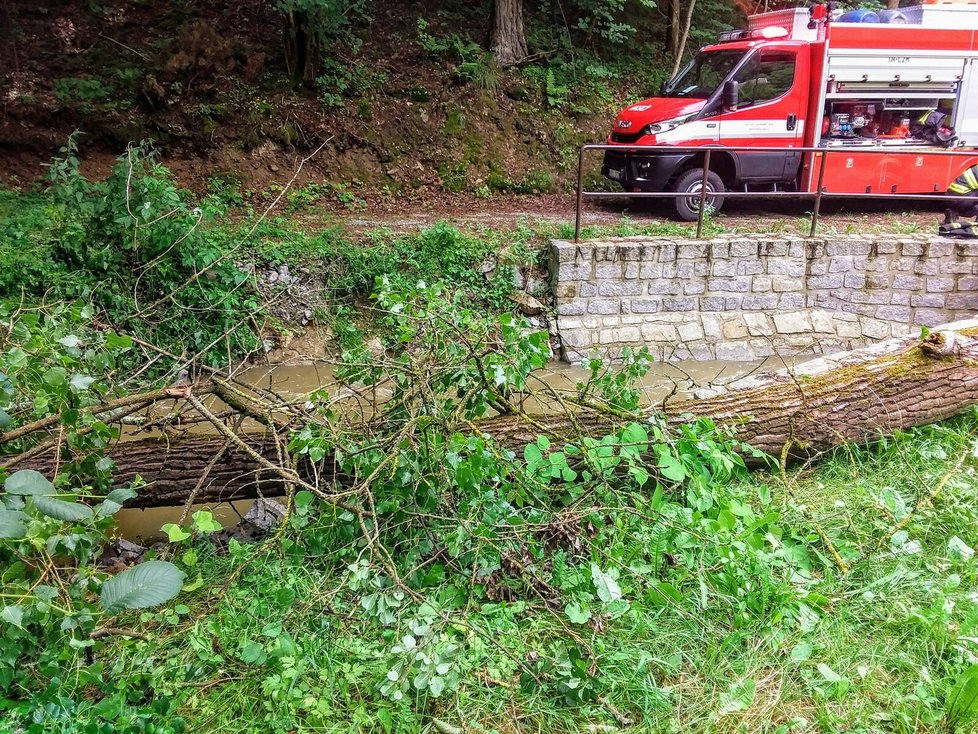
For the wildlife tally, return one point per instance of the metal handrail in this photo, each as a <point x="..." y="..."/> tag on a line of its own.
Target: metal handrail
<point x="707" y="150"/>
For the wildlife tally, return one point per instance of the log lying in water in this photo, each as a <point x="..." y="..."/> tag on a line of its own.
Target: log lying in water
<point x="847" y="397"/>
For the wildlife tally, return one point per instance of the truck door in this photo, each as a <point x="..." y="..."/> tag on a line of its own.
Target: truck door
<point x="770" y="112"/>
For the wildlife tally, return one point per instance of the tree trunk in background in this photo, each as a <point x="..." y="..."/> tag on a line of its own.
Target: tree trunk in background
<point x="893" y="4"/>
<point x="674" y="27"/>
<point x="508" y="38"/>
<point x="683" y="38"/>
<point x="303" y="46"/>
<point x="848" y="397"/>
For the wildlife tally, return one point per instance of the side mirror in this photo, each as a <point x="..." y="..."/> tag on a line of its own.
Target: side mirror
<point x="730" y="95"/>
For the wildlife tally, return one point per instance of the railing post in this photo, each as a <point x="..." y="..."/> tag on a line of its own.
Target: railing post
<point x="580" y="194"/>
<point x="818" y="190"/>
<point x="702" y="212"/>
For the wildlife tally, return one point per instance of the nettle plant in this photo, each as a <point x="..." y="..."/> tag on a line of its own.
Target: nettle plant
<point x="56" y="603"/>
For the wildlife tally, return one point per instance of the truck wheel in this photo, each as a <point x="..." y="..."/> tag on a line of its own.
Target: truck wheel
<point x="691" y="182"/>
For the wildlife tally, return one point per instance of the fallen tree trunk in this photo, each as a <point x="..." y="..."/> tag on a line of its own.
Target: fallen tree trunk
<point x="847" y="397"/>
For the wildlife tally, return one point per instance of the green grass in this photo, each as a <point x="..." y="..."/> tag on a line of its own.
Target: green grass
<point x="869" y="650"/>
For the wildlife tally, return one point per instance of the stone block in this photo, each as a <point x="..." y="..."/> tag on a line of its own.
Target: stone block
<point x="574" y="271"/>
<point x="796" y="322"/>
<point x="854" y="280"/>
<point x="572" y="308"/>
<point x="903" y="264"/>
<point x="879" y="297"/>
<point x="787" y="285"/>
<point x="685" y="270"/>
<point x="897" y="314"/>
<point x="712" y="303"/>
<point x="927" y="267"/>
<point x="848" y="329"/>
<point x="761" y="283"/>
<point x="791" y="300"/>
<point x="817" y="267"/>
<point x="658" y="333"/>
<point x="724" y="268"/>
<point x="564" y="251"/>
<point x="758" y="324"/>
<point x="928" y="300"/>
<point x="840" y="264"/>
<point x="678" y="304"/>
<point x="875" y="329"/>
<point x="937" y="248"/>
<point x="694" y="288"/>
<point x="762" y="348"/>
<point x="588" y="289"/>
<point x="565" y="291"/>
<point x="759" y="303"/>
<point x="667" y="253"/>
<point x="873" y="265"/>
<point x="899" y="299"/>
<point x="630" y="252"/>
<point x="649" y="271"/>
<point x="886" y="247"/>
<point x="620" y="288"/>
<point x="831" y="282"/>
<point x="608" y="271"/>
<point x="750" y="267"/>
<point x="646" y="305"/>
<point x="911" y="249"/>
<point x="702" y="352"/>
<point x="743" y="248"/>
<point x="731" y="303"/>
<point x="735" y="352"/>
<point x="907" y="282"/>
<point x="968" y="284"/>
<point x="739" y="284"/>
<point x="665" y="287"/>
<point x="940" y="285"/>
<point x="690" y="332"/>
<point x="877" y="281"/>
<point x="604" y="306"/>
<point x="712" y="325"/>
<point x="735" y="328"/>
<point x="719" y="250"/>
<point x="823" y="322"/>
<point x="929" y="316"/>
<point x="774" y="248"/>
<point x="627" y="334"/>
<point x="691" y="251"/>
<point x="606" y="336"/>
<point x="575" y="338"/>
<point x="797" y="248"/>
<point x="957" y="267"/>
<point x="605" y="253"/>
<point x="631" y="270"/>
<point x="963" y="301"/>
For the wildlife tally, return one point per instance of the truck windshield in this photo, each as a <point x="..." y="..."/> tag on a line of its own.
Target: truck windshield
<point x="703" y="75"/>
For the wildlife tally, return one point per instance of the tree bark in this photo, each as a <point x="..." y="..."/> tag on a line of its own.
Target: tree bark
<point x="508" y="37"/>
<point x="847" y="397"/>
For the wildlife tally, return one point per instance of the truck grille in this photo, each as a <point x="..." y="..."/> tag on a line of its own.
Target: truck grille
<point x="623" y="138"/>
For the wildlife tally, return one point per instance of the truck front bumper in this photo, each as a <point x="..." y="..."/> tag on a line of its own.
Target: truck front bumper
<point x="637" y="171"/>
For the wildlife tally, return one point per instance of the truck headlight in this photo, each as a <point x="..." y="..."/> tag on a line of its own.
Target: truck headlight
<point x="666" y="125"/>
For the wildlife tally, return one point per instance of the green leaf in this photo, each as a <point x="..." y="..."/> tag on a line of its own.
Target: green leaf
<point x="13" y="615"/>
<point x="175" y="533"/>
<point x="828" y="674"/>
<point x="61" y="510"/>
<point x="253" y="653"/>
<point x="204" y="522"/>
<point x="577" y="614"/>
<point x="532" y="454"/>
<point x="5" y="420"/>
<point x="113" y="502"/>
<point x="959" y="550"/>
<point x="670" y="467"/>
<point x="12" y="524"/>
<point x="738" y="697"/>
<point x="147" y="585"/>
<point x="71" y="341"/>
<point x="605" y="586"/>
<point x="28" y="482"/>
<point x="801" y="651"/>
<point x="962" y="699"/>
<point x="81" y="383"/>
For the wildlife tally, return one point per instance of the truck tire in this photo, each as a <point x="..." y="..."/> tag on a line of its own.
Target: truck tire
<point x="688" y="207"/>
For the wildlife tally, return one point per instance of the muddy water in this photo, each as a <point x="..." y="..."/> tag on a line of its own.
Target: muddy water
<point x="294" y="381"/>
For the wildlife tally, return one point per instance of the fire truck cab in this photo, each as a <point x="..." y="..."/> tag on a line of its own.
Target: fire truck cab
<point x="803" y="78"/>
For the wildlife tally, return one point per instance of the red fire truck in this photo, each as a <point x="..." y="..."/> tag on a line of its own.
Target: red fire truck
<point x="810" y="78"/>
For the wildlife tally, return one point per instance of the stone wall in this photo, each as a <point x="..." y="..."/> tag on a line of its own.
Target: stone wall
<point x="739" y="298"/>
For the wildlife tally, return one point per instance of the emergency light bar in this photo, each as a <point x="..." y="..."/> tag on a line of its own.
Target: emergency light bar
<point x="768" y="34"/>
